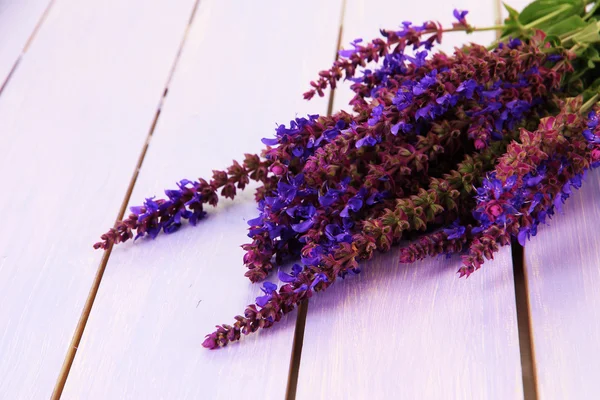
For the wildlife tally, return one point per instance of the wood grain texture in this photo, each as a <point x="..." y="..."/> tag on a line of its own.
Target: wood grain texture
<point x="417" y="331"/>
<point x="244" y="68"/>
<point x="72" y="120"/>
<point x="414" y="332"/>
<point x="18" y="19"/>
<point x="562" y="269"/>
<point x="562" y="272"/>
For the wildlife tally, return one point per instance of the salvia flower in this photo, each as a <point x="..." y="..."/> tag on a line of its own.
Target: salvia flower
<point x="461" y="152"/>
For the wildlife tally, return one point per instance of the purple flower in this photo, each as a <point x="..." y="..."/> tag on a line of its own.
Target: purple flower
<point x="320" y="277"/>
<point x="401" y="126"/>
<point x="419" y="59"/>
<point x="303" y="226"/>
<point x="375" y="115"/>
<point x="336" y="234"/>
<point x="447" y="100"/>
<point x="329" y="198"/>
<point x="307" y="212"/>
<point x="533" y="180"/>
<point x="286" y="192"/>
<point x="510" y="182"/>
<point x="513" y="43"/>
<point x="537" y="198"/>
<point x="460" y="16"/>
<point x="348" y="52"/>
<point x="518" y="107"/>
<point x="314" y="257"/>
<point x="270" y="142"/>
<point x="554" y="58"/>
<point x="368" y="141"/>
<point x="301" y="288"/>
<point x="592" y="119"/>
<point x="455" y="231"/>
<point x="492" y="94"/>
<point x="491" y="107"/>
<point x="523" y="236"/>
<point x="268" y="289"/>
<point x="403" y="99"/>
<point x="375" y="198"/>
<point x="291" y="277"/>
<point x="354" y="204"/>
<point x="331" y="134"/>
<point x="493" y="185"/>
<point x="591" y="137"/>
<point x="428" y="80"/>
<point x="423" y="112"/>
<point x="467" y="88"/>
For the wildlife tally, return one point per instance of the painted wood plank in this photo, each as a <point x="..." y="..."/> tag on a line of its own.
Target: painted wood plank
<point x="18" y="19"/>
<point x="414" y="332"/>
<point x="243" y="69"/>
<point x="73" y="120"/>
<point x="562" y="271"/>
<point x="407" y="332"/>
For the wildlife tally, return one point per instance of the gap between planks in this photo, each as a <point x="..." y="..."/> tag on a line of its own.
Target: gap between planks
<point x="296" y="356"/>
<point x="528" y="371"/>
<point x="87" y="308"/>
<point x="524" y="323"/>
<point x="34" y="32"/>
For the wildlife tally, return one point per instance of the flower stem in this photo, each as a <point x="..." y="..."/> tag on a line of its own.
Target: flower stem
<point x="588" y="104"/>
<point x="546" y="17"/>
<point x="469" y="30"/>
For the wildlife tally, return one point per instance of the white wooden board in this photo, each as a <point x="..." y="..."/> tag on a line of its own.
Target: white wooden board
<point x="72" y="120"/>
<point x="244" y="68"/>
<point x="414" y="332"/>
<point x="562" y="271"/>
<point x="18" y="20"/>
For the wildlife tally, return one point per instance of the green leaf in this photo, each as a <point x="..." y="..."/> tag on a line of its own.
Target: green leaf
<point x="572" y="23"/>
<point x="512" y="13"/>
<point x="589" y="34"/>
<point x="511" y="23"/>
<point x="592" y="54"/>
<point x="592" y="90"/>
<point x="553" y="40"/>
<point x="595" y="85"/>
<point x="542" y="8"/>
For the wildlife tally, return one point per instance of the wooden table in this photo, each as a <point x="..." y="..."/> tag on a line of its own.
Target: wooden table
<point x="105" y="102"/>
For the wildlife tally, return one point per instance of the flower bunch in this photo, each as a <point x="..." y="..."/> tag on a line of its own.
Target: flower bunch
<point x="461" y="151"/>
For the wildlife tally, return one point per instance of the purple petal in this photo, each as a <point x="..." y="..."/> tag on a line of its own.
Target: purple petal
<point x="303" y="226"/>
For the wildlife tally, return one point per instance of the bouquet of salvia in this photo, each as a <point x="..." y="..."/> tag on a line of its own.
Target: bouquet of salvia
<point x="459" y="153"/>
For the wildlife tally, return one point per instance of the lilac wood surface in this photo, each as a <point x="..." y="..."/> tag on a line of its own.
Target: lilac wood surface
<point x="72" y="121"/>
<point x="243" y="69"/>
<point x="18" y="19"/>
<point x="562" y="272"/>
<point x="414" y="331"/>
<point x="409" y="332"/>
<point x="562" y="269"/>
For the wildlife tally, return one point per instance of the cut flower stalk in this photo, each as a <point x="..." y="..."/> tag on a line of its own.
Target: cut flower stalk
<point x="465" y="151"/>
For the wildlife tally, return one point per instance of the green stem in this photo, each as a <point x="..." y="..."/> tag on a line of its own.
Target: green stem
<point x="546" y="17"/>
<point x="568" y="36"/>
<point x="578" y="75"/>
<point x="588" y="104"/>
<point x="486" y="28"/>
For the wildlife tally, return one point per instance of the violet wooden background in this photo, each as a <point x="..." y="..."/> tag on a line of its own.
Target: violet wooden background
<point x="409" y="332"/>
<point x="83" y="83"/>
